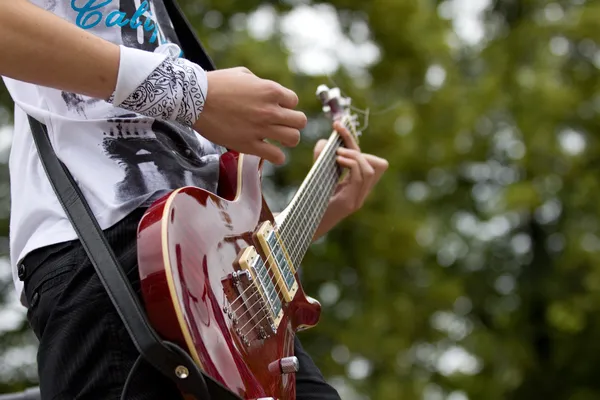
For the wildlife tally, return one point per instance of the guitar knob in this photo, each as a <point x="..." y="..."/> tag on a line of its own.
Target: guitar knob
<point x="286" y="365"/>
<point x="289" y="365"/>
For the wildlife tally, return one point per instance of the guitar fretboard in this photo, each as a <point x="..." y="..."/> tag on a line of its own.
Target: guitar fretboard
<point x="310" y="202"/>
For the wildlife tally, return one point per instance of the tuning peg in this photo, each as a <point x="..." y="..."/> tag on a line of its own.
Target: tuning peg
<point x="321" y="89"/>
<point x="323" y="93"/>
<point x="345" y="102"/>
<point x="335" y="93"/>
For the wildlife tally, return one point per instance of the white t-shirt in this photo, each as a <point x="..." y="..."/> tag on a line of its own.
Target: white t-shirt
<point x="121" y="160"/>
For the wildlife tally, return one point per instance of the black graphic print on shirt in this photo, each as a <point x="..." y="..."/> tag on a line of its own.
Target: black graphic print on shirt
<point x="50" y="5"/>
<point x="78" y="103"/>
<point x="153" y="156"/>
<point x="167" y="156"/>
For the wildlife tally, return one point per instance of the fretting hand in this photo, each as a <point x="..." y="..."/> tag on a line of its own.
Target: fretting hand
<point x="350" y="194"/>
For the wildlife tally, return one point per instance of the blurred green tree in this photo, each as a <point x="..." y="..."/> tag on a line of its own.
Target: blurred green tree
<point x="472" y="272"/>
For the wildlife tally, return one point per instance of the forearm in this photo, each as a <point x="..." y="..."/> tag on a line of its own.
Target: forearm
<point x="41" y="48"/>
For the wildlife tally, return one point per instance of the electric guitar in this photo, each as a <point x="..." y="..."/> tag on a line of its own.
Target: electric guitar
<point x="219" y="273"/>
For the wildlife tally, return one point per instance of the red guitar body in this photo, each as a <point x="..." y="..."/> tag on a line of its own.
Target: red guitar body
<point x="188" y="246"/>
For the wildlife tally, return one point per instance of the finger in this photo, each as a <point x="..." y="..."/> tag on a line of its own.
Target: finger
<point x="288" y="99"/>
<point x="351" y="192"/>
<point x="288" y="137"/>
<point x="367" y="171"/>
<point x="356" y="177"/>
<point x="319" y="148"/>
<point x="269" y="152"/>
<point x="379" y="164"/>
<point x="293" y="119"/>
<point x="365" y="167"/>
<point x="346" y="136"/>
<point x="283" y="96"/>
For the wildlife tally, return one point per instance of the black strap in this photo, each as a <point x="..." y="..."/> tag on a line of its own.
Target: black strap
<point x="165" y="356"/>
<point x="191" y="45"/>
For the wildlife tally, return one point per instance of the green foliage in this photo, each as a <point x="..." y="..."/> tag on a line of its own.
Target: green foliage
<point x="473" y="269"/>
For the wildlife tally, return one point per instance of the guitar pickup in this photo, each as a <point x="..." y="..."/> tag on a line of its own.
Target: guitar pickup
<point x="269" y="295"/>
<point x="278" y="260"/>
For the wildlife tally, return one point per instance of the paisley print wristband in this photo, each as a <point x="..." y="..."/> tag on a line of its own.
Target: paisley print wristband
<point x="174" y="90"/>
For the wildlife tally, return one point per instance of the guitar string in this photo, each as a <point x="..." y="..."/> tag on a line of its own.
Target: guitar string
<point x="312" y="219"/>
<point x="279" y="250"/>
<point x="295" y="250"/>
<point x="264" y="307"/>
<point x="345" y="120"/>
<point x="296" y="217"/>
<point x="336" y="142"/>
<point x="297" y="245"/>
<point x="312" y="216"/>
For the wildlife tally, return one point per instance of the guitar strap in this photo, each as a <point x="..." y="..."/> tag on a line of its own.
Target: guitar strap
<point x="191" y="45"/>
<point x="168" y="358"/>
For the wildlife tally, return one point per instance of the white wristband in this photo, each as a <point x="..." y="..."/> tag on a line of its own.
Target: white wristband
<point x="134" y="68"/>
<point x="160" y="85"/>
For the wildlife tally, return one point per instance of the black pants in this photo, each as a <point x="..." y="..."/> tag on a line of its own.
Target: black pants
<point x="85" y="351"/>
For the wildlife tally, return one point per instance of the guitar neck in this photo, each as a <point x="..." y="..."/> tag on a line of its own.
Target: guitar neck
<point x="305" y="212"/>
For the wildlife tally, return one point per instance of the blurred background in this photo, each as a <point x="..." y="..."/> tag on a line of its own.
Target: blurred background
<point x="473" y="271"/>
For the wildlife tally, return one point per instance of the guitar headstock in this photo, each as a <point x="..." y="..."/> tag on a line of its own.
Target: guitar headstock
<point x="339" y="108"/>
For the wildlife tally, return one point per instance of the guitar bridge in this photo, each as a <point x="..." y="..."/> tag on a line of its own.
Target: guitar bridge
<point x="253" y="304"/>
